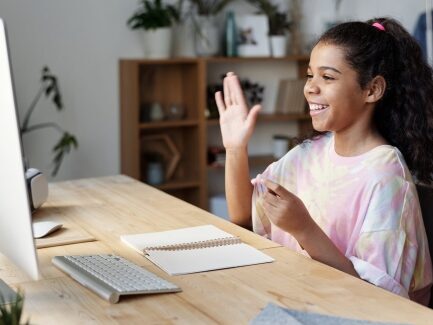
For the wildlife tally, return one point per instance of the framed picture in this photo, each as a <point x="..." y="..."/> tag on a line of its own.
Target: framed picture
<point x="253" y="39"/>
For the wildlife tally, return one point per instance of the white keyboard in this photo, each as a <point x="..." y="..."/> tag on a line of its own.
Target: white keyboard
<point x="111" y="276"/>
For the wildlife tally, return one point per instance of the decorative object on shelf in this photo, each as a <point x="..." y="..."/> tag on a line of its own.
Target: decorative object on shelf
<point x="175" y="111"/>
<point x="290" y="97"/>
<point x="253" y="40"/>
<point x="206" y="36"/>
<point x="231" y="35"/>
<point x="154" y="168"/>
<point x="183" y="28"/>
<point x="253" y="92"/>
<point x="156" y="112"/>
<point x="279" y="25"/>
<point x="207" y="41"/>
<point x="163" y="145"/>
<point x="278" y="45"/>
<point x="50" y="87"/>
<point x="156" y="19"/>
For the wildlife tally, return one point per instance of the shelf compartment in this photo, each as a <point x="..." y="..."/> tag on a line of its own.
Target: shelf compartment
<point x="167" y="84"/>
<point x="183" y="141"/>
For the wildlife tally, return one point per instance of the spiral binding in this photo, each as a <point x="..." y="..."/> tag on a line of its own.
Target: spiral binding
<point x="196" y="245"/>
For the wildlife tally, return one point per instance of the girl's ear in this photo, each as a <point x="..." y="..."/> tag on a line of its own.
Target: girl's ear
<point x="376" y="89"/>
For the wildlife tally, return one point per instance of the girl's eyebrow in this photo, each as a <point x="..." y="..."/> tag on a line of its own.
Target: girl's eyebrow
<point x="327" y="68"/>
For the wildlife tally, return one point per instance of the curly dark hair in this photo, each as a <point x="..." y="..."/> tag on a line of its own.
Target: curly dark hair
<point x="404" y="115"/>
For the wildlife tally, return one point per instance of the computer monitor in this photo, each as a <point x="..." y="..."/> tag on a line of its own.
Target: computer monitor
<point x="16" y="234"/>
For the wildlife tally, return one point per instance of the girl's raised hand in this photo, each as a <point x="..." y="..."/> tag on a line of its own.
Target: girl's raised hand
<point x="236" y="120"/>
<point x="286" y="210"/>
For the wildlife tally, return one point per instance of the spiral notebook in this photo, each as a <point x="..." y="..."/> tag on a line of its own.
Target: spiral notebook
<point x="194" y="249"/>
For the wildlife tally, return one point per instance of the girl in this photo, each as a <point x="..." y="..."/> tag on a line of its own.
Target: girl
<point x="345" y="197"/>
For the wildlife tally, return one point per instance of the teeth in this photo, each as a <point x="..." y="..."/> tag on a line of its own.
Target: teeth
<point x="318" y="107"/>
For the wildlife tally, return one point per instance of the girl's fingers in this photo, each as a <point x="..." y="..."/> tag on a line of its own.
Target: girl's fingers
<point x="220" y="103"/>
<point x="237" y="92"/>
<point x="227" y="95"/>
<point x="252" y="115"/>
<point x="271" y="199"/>
<point x="234" y="86"/>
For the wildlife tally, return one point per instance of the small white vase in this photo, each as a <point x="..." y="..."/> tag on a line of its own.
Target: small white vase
<point x="157" y="43"/>
<point x="183" y="43"/>
<point x="278" y="45"/>
<point x="206" y="36"/>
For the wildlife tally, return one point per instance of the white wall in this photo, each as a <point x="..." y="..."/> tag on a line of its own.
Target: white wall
<point x="82" y="41"/>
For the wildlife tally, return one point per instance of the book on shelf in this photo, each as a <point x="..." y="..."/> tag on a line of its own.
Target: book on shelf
<point x="194" y="249"/>
<point x="290" y="97"/>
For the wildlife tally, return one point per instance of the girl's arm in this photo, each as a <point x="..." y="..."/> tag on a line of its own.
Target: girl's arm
<point x="238" y="187"/>
<point x="237" y="124"/>
<point x="289" y="213"/>
<point x="322" y="249"/>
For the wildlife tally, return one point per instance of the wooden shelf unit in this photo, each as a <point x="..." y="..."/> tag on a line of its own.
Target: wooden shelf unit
<point x="183" y="82"/>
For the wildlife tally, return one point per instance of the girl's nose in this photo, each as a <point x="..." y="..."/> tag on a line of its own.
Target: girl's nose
<point x="311" y="87"/>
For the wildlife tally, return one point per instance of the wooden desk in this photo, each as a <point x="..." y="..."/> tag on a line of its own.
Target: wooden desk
<point x="111" y="206"/>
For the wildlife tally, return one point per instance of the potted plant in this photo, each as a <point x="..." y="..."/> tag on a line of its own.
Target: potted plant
<point x="207" y="41"/>
<point x="11" y="314"/>
<point x="156" y="19"/>
<point x="279" y="25"/>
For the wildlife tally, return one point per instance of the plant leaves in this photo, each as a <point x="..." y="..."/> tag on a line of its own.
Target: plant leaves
<point x="11" y="314"/>
<point x="63" y="146"/>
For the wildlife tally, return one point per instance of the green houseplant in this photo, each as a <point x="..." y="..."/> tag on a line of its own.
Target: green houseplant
<point x="50" y="88"/>
<point x="11" y="313"/>
<point x="279" y="22"/>
<point x="279" y="25"/>
<point x="156" y="20"/>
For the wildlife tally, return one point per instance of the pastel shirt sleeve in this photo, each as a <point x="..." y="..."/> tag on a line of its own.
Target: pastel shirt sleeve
<point x="391" y="248"/>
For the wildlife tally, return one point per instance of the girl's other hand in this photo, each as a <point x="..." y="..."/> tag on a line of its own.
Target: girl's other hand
<point x="236" y="120"/>
<point x="286" y="210"/>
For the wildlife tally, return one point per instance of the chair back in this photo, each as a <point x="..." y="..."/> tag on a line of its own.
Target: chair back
<point x="425" y="195"/>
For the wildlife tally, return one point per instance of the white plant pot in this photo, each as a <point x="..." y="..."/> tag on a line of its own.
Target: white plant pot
<point x="278" y="45"/>
<point x="206" y="36"/>
<point x="183" y="43"/>
<point x="157" y="43"/>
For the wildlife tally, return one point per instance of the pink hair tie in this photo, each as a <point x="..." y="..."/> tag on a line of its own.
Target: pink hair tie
<point x="378" y="26"/>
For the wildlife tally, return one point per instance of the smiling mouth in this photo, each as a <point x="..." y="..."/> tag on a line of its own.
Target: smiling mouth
<point x="318" y="107"/>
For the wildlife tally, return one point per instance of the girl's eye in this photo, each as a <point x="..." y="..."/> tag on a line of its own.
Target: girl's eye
<point x="328" y="77"/>
<point x="309" y="76"/>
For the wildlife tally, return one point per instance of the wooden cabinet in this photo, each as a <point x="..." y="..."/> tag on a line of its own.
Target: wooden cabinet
<point x="182" y="143"/>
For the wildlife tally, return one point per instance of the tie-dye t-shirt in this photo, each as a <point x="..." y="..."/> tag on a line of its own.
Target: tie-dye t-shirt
<point x="367" y="205"/>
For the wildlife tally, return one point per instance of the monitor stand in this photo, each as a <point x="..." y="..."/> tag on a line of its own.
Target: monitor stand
<point x="7" y="295"/>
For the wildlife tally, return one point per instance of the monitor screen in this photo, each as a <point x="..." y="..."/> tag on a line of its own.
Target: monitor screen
<point x="16" y="236"/>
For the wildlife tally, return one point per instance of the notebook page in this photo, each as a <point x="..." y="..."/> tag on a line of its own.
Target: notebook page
<point x="171" y="237"/>
<point x="207" y="259"/>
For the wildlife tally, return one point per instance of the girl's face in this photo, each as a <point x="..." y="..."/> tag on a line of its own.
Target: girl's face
<point x="337" y="102"/>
